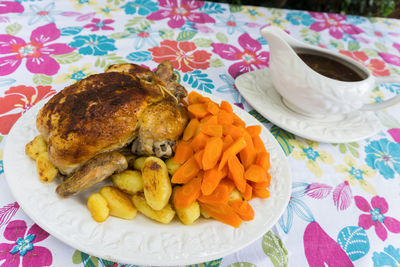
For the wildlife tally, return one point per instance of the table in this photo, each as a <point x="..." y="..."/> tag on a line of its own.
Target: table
<point x="344" y="206"/>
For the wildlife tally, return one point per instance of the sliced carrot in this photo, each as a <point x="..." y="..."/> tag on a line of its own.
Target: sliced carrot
<point x="258" y="144"/>
<point x="228" y="140"/>
<point x="223" y="213"/>
<point x="219" y="196"/>
<point x="211" y="180"/>
<point x="198" y="110"/>
<point x="191" y="129"/>
<point x="188" y="193"/>
<point x="198" y="156"/>
<point x="229" y="183"/>
<point x="211" y="129"/>
<point x="186" y="172"/>
<point x="236" y="170"/>
<point x="193" y="97"/>
<point x="255" y="173"/>
<point x="261" y="193"/>
<point x="232" y="130"/>
<point x="247" y="194"/>
<point x="210" y="119"/>
<point x="263" y="160"/>
<point x="226" y="106"/>
<point x="183" y="152"/>
<point x="248" y="154"/>
<point x="213" y="108"/>
<point x="238" y="121"/>
<point x="232" y="150"/>
<point x="205" y="99"/>
<point x="243" y="209"/>
<point x="224" y="117"/>
<point x="254" y="130"/>
<point x="260" y="185"/>
<point x="183" y="101"/>
<point x="212" y="152"/>
<point x="199" y="141"/>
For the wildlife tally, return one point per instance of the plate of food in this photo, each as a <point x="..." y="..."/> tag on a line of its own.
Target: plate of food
<point x="129" y="167"/>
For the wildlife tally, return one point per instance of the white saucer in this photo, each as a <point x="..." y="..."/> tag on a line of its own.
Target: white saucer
<point x="256" y="87"/>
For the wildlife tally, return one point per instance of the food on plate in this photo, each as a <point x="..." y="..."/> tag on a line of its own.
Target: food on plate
<point x="187" y="215"/>
<point x="128" y="181"/>
<point x="118" y="202"/>
<point x="47" y="172"/>
<point x="35" y="147"/>
<point x="164" y="215"/>
<point x="138" y="163"/>
<point x="224" y="163"/>
<point x="156" y="183"/>
<point x="172" y="166"/>
<point x="92" y="172"/>
<point x="128" y="104"/>
<point x="98" y="207"/>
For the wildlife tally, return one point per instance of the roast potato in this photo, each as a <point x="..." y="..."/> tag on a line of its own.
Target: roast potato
<point x="35" y="147"/>
<point x="138" y="163"/>
<point x="98" y="207"/>
<point x="164" y="215"/>
<point x="46" y="170"/>
<point x="172" y="166"/>
<point x="118" y="202"/>
<point x="128" y="181"/>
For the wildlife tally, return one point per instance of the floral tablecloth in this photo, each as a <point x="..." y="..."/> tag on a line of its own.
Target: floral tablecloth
<point x="344" y="208"/>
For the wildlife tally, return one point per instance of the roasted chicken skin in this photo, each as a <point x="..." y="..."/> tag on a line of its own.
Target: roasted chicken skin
<point x="107" y="111"/>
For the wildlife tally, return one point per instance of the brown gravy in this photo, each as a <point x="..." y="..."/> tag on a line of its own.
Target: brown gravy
<point x="331" y="68"/>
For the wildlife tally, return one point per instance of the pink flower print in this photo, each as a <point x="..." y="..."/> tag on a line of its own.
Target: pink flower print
<point x="376" y="217"/>
<point x="248" y="59"/>
<point x="179" y="13"/>
<point x="97" y="24"/>
<point x="37" y="52"/>
<point x="335" y="24"/>
<point x="23" y="245"/>
<point x="10" y="7"/>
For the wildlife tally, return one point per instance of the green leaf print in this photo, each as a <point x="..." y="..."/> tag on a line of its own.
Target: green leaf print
<point x="370" y="52"/>
<point x="115" y="2"/>
<point x="222" y="38"/>
<point x="106" y="60"/>
<point x="394" y="71"/>
<point x="351" y="147"/>
<point x="119" y="35"/>
<point x="283" y="138"/>
<point x="381" y="47"/>
<point x="352" y="46"/>
<point x="275" y="249"/>
<point x="242" y="264"/>
<point x="87" y="261"/>
<point x="235" y="8"/>
<point x="166" y="34"/>
<point x="338" y="45"/>
<point x="185" y="35"/>
<point x="258" y="116"/>
<point x="13" y="29"/>
<point x="214" y="263"/>
<point x="41" y="79"/>
<point x="67" y="58"/>
<point x="216" y="63"/>
<point x="1" y="138"/>
<point x="140" y="22"/>
<point x="311" y="37"/>
<point x="202" y="42"/>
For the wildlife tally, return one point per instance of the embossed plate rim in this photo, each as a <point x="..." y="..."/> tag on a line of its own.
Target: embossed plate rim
<point x="142" y="241"/>
<point x="326" y="130"/>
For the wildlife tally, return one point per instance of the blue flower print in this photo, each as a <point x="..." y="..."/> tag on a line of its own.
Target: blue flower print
<point x="23" y="245"/>
<point x="1" y="167"/>
<point x="143" y="7"/>
<point x="41" y="13"/>
<point x="355" y="19"/>
<point x="230" y="88"/>
<point x="93" y="44"/>
<point x="297" y="206"/>
<point x="298" y="18"/>
<point x="144" y="36"/>
<point x="231" y="24"/>
<point x="392" y="87"/>
<point x="384" y="155"/>
<point x="390" y="257"/>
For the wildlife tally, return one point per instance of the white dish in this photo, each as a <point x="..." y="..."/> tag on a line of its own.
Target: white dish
<point x="256" y="87"/>
<point x="139" y="241"/>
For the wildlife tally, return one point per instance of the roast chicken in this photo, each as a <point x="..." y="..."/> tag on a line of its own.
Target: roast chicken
<point x="87" y="122"/>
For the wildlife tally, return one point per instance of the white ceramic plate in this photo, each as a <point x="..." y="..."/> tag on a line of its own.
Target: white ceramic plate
<point x="141" y="240"/>
<point x="256" y="87"/>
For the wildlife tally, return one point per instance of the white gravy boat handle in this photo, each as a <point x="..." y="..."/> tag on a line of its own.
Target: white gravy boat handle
<point x="386" y="103"/>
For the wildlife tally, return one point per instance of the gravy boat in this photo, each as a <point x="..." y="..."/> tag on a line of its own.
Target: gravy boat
<point x="306" y="91"/>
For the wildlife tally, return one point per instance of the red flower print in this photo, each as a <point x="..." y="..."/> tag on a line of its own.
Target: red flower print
<point x="184" y="56"/>
<point x="376" y="66"/>
<point x="17" y="101"/>
<point x="97" y="24"/>
<point x="37" y="52"/>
